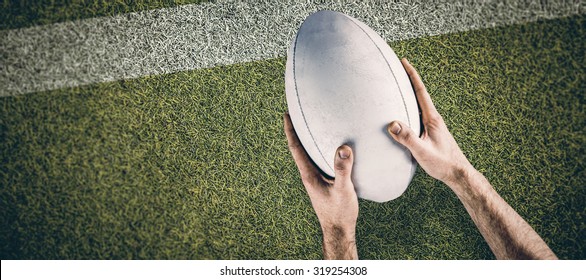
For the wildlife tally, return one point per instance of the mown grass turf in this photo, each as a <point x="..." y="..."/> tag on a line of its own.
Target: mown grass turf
<point x="23" y="13"/>
<point x="195" y="164"/>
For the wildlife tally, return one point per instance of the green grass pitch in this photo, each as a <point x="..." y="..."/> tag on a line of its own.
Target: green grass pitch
<point x="194" y="165"/>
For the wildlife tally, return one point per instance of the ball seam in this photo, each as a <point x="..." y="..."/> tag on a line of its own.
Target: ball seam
<point x="390" y="69"/>
<point x="299" y="101"/>
<point x="389" y="66"/>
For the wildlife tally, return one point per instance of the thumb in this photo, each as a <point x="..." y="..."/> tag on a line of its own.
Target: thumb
<point x="403" y="134"/>
<point x="343" y="163"/>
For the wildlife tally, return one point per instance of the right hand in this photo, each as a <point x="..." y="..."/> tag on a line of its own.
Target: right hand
<point x="436" y="151"/>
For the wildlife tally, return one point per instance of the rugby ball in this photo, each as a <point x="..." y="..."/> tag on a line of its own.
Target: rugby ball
<point x="344" y="85"/>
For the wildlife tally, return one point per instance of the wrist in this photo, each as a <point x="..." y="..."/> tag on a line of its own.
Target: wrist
<point x="339" y="232"/>
<point x="468" y="183"/>
<point x="339" y="242"/>
<point x="461" y="177"/>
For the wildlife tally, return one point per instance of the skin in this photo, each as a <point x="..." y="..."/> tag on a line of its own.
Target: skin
<point x="334" y="200"/>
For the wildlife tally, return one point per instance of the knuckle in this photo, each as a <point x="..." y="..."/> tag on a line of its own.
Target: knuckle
<point x="341" y="168"/>
<point x="342" y="171"/>
<point x="435" y="120"/>
<point x="407" y="136"/>
<point x="294" y="146"/>
<point x="306" y="178"/>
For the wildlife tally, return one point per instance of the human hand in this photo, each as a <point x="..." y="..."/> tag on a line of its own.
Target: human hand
<point x="436" y="151"/>
<point x="334" y="200"/>
<point x="506" y="232"/>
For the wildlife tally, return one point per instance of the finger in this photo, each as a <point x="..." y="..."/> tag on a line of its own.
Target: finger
<point x="306" y="167"/>
<point x="343" y="162"/>
<point x="403" y="134"/>
<point x="428" y="110"/>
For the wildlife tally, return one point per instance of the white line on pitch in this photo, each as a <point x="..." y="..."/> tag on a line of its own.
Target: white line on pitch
<point x="226" y="32"/>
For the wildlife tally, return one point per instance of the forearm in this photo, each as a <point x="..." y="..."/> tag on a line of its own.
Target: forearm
<point x="339" y="243"/>
<point x="508" y="234"/>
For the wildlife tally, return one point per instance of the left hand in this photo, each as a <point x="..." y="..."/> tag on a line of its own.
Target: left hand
<point x="334" y="200"/>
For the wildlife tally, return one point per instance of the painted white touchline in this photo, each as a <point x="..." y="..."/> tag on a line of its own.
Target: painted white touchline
<point x="226" y="32"/>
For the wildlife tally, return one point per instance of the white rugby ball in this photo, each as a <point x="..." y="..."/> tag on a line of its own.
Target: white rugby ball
<point x="344" y="84"/>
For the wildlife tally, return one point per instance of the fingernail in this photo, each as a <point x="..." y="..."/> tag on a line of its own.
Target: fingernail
<point x="344" y="154"/>
<point x="395" y="128"/>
